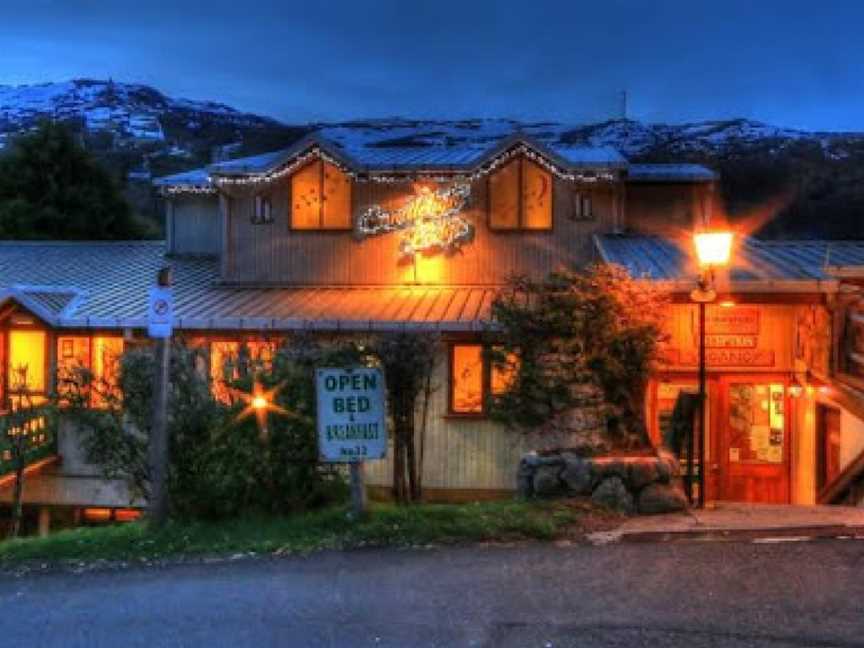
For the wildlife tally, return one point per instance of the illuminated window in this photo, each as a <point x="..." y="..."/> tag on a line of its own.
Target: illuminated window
<point x="26" y="361"/>
<point x="224" y="368"/>
<point x="520" y="197"/>
<point x="105" y="366"/>
<point x="73" y="354"/>
<point x="502" y="375"/>
<point x="320" y="198"/>
<point x="466" y="382"/>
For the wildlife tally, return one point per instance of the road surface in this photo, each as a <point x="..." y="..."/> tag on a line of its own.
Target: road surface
<point x="699" y="594"/>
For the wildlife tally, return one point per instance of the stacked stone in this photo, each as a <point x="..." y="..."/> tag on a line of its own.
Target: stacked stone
<point x="632" y="484"/>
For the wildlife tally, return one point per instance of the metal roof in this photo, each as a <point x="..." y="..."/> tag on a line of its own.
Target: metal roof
<point x="756" y="264"/>
<point x="372" y="159"/>
<point x="105" y="285"/>
<point x="193" y="178"/>
<point x="670" y="173"/>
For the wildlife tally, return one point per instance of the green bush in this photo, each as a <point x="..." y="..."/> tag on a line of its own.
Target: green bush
<point x="223" y="462"/>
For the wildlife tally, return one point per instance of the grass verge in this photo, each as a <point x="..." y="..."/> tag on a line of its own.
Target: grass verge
<point x="386" y="525"/>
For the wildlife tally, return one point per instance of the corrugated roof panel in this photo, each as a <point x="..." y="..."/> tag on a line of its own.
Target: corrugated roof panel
<point x="592" y="156"/>
<point x="753" y="259"/>
<point x="670" y="173"/>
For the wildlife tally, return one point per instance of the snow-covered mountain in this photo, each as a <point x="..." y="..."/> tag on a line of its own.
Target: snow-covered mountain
<point x="631" y="138"/>
<point x="140" y="113"/>
<point x="126" y="110"/>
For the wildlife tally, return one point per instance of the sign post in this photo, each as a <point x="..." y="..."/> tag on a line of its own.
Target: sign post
<point x="160" y="322"/>
<point x="352" y="422"/>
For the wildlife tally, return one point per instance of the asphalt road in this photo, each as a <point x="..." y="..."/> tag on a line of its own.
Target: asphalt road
<point x="701" y="594"/>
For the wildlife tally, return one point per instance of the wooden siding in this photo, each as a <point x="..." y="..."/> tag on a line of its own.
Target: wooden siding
<point x="460" y="453"/>
<point x="193" y="225"/>
<point x="667" y="209"/>
<point x="278" y="254"/>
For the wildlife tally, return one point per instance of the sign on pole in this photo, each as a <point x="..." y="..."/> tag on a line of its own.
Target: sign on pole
<point x="160" y="312"/>
<point x="352" y="422"/>
<point x="351" y="414"/>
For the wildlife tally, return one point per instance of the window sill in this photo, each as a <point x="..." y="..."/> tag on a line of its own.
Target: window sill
<point x="462" y="416"/>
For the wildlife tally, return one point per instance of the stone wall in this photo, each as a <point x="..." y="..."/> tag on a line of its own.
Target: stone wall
<point x="630" y="484"/>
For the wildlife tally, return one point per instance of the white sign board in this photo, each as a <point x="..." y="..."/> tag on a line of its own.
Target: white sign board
<point x="352" y="418"/>
<point x="160" y="312"/>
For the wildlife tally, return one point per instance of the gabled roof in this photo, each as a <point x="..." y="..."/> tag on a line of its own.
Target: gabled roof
<point x="757" y="265"/>
<point x="405" y="159"/>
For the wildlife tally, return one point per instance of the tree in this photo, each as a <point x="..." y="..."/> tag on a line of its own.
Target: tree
<point x="51" y="188"/>
<point x="408" y="361"/>
<point x="571" y="333"/>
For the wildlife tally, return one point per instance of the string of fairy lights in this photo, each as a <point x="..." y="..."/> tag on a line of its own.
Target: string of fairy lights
<point x="316" y="153"/>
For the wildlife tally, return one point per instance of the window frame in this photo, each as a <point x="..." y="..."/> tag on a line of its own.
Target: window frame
<point x="262" y="210"/>
<point x="486" y="380"/>
<point x="520" y="227"/>
<point x="349" y="227"/>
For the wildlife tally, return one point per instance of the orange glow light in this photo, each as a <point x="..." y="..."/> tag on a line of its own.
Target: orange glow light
<point x="713" y="248"/>
<point x="727" y="304"/>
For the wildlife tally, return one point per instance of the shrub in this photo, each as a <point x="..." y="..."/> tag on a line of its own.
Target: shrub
<point x="596" y="328"/>
<point x="220" y="462"/>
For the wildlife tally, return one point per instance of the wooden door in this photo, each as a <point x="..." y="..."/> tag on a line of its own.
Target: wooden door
<point x="827" y="445"/>
<point x="753" y="437"/>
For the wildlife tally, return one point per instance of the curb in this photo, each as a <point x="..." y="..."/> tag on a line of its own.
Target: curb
<point x="759" y="535"/>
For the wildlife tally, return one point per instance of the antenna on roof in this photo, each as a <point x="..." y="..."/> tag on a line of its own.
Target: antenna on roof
<point x="827" y="256"/>
<point x="623" y="104"/>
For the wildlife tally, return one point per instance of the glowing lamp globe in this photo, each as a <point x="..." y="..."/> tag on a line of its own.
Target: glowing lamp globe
<point x="713" y="248"/>
<point x="259" y="403"/>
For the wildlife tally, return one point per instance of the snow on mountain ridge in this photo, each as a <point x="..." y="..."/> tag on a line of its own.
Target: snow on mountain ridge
<point x="127" y="108"/>
<point x="138" y="112"/>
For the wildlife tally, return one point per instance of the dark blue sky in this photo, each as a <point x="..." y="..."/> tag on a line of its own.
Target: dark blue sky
<point x="798" y="64"/>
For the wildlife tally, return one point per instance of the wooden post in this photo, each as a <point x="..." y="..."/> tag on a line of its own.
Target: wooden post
<point x="158" y="450"/>
<point x="44" y="521"/>
<point x="358" y="490"/>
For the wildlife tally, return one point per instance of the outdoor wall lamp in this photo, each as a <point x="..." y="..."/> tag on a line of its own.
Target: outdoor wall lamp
<point x="713" y="250"/>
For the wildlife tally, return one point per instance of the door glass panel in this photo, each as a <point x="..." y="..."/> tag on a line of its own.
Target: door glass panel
<point x="27" y="360"/>
<point x="756" y="422"/>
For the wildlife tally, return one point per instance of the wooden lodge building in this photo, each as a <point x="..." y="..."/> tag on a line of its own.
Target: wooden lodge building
<point x="342" y="241"/>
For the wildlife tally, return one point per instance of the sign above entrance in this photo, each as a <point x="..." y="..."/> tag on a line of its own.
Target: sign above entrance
<point x="729" y="357"/>
<point x="735" y="320"/>
<point x="352" y="417"/>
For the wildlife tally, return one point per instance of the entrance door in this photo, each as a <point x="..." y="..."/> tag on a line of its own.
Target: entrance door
<point x="827" y="445"/>
<point x="753" y="440"/>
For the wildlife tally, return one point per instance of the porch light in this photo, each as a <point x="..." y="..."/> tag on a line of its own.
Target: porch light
<point x="713" y="248"/>
<point x="260" y="403"/>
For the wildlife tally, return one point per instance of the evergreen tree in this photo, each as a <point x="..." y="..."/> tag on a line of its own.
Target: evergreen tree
<point x="51" y="188"/>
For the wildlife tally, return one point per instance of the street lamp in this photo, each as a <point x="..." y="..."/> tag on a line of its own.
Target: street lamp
<point x="713" y="249"/>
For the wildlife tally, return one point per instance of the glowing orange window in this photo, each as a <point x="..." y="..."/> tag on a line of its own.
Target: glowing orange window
<point x="26" y="369"/>
<point x="520" y="197"/>
<point x="466" y="379"/>
<point x="105" y="366"/>
<point x="320" y="198"/>
<point x="224" y="368"/>
<point x="502" y="375"/>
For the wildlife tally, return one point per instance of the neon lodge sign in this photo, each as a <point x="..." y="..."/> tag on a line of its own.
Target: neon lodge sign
<point x="431" y="221"/>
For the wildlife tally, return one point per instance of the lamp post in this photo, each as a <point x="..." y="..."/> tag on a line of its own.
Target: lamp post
<point x="713" y="249"/>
